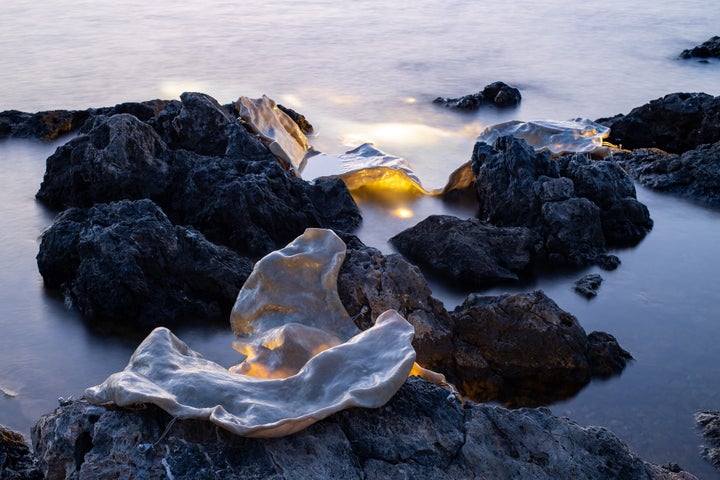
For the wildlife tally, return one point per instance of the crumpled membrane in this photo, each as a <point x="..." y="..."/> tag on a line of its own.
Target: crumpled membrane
<point x="276" y="129"/>
<point x="291" y="295"/>
<point x="559" y="137"/>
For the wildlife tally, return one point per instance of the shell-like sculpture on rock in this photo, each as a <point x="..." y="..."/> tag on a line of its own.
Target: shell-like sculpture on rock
<point x="310" y="359"/>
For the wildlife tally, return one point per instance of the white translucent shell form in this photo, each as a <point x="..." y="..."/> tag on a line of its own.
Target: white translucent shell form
<point x="290" y="297"/>
<point x="559" y="137"/>
<point x="277" y="130"/>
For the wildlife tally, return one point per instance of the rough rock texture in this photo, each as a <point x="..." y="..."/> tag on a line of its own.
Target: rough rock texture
<point x="120" y="157"/>
<point x="49" y="125"/>
<point x="675" y="123"/>
<point x="239" y="196"/>
<point x="420" y="433"/>
<point x="370" y="283"/>
<point x="498" y="94"/>
<point x="16" y="460"/>
<point x="707" y="49"/>
<point x="694" y="175"/>
<point x="576" y="205"/>
<point x="523" y="348"/>
<point x="124" y="264"/>
<point x="302" y="122"/>
<point x="588" y="285"/>
<point x="469" y="252"/>
<point x="709" y="423"/>
<point x="625" y="221"/>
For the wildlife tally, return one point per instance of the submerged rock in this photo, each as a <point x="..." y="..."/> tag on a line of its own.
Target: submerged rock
<point x="588" y="285"/>
<point x="523" y="348"/>
<point x="468" y="252"/>
<point x="419" y="434"/>
<point x="694" y="175"/>
<point x="124" y="265"/>
<point x="709" y="423"/>
<point x="498" y="94"/>
<point x="707" y="49"/>
<point x="16" y="460"/>
<point x="676" y="123"/>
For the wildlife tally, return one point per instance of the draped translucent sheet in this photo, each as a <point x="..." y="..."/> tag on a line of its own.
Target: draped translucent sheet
<point x="572" y="136"/>
<point x="292" y="323"/>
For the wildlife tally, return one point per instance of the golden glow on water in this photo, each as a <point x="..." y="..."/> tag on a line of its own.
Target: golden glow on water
<point x="402" y="212"/>
<point x="396" y="133"/>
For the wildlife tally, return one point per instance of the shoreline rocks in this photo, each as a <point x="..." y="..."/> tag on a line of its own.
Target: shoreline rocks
<point x="124" y="266"/>
<point x="419" y="433"/>
<point x="708" y="49"/>
<point x="709" y="423"/>
<point x="564" y="211"/>
<point x="468" y="252"/>
<point x="588" y="285"/>
<point x="526" y="351"/>
<point x="694" y="175"/>
<point x="674" y="123"/>
<point x="498" y="94"/>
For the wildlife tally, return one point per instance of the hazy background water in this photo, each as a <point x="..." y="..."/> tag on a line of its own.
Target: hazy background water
<point x="367" y="71"/>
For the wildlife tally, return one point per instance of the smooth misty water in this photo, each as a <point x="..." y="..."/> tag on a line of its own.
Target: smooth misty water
<point x="367" y="71"/>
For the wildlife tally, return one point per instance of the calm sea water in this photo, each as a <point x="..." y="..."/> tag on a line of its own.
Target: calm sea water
<point x="367" y="71"/>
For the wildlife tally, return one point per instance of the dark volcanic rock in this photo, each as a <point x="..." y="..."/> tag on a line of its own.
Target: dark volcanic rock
<point x="124" y="264"/>
<point x="468" y="251"/>
<point x="576" y="205"/>
<point x="498" y="94"/>
<point x="675" y="123"/>
<point x="202" y="125"/>
<point x="418" y="434"/>
<point x="573" y="231"/>
<point x="120" y="157"/>
<point x="509" y="181"/>
<point x="625" y="221"/>
<point x="16" y="460"/>
<point x="47" y="125"/>
<point x="51" y="124"/>
<point x="240" y="197"/>
<point x="254" y="207"/>
<point x="370" y="283"/>
<point x="588" y="285"/>
<point x="707" y="49"/>
<point x="709" y="422"/>
<point x="606" y="356"/>
<point x="695" y="174"/>
<point x="530" y="347"/>
<point x="298" y="118"/>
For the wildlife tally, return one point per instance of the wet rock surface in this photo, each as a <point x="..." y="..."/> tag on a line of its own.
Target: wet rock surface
<point x="525" y="350"/>
<point x="694" y="174"/>
<point x="124" y="265"/>
<point x="469" y="252"/>
<point x="498" y="94"/>
<point x="709" y="423"/>
<point x="588" y="285"/>
<point x="675" y="123"/>
<point x="420" y="433"/>
<point x="707" y="49"/>
<point x="196" y="160"/>
<point x="16" y="460"/>
<point x="576" y="205"/>
<point x="51" y="124"/>
<point x="370" y="283"/>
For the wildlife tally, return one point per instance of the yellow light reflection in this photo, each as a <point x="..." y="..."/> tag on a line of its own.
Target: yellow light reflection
<point x="402" y="212"/>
